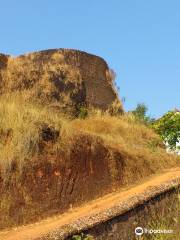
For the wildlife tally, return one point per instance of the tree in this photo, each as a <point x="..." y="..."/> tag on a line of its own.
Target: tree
<point x="140" y="114"/>
<point x="168" y="127"/>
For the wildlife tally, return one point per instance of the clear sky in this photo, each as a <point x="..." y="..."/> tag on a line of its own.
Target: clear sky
<point x="140" y="40"/>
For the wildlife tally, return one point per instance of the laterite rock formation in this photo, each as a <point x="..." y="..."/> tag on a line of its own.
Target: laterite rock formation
<point x="60" y="77"/>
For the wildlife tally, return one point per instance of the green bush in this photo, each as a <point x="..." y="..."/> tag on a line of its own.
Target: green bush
<point x="82" y="236"/>
<point x="140" y="114"/>
<point x="82" y="112"/>
<point x="168" y="127"/>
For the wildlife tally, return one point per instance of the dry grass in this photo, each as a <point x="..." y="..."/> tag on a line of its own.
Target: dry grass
<point x="138" y="144"/>
<point x="49" y="162"/>
<point x="21" y="122"/>
<point x="51" y="82"/>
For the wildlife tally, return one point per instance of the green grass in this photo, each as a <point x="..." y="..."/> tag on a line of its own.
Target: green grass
<point x="82" y="237"/>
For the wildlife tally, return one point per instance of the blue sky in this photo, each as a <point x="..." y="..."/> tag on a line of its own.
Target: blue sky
<point x="139" y="39"/>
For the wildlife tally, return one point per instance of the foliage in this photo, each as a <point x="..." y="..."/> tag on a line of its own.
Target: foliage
<point x="168" y="127"/>
<point x="82" y="236"/>
<point x="140" y="114"/>
<point x="82" y="112"/>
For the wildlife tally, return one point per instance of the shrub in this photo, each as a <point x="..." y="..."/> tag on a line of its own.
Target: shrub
<point x="140" y="114"/>
<point x="82" y="112"/>
<point x="82" y="236"/>
<point x="168" y="127"/>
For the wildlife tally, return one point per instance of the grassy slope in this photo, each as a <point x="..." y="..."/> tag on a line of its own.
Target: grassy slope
<point x="20" y="125"/>
<point x="28" y="131"/>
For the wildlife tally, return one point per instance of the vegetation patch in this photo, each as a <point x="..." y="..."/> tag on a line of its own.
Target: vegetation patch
<point x="82" y="237"/>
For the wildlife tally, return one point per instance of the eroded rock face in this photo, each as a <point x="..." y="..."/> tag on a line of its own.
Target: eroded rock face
<point x="59" y="77"/>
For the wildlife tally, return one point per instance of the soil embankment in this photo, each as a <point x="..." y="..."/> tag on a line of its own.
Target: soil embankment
<point x="97" y="211"/>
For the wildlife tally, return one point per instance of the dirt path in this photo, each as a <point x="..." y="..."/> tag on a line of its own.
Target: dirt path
<point x="97" y="210"/>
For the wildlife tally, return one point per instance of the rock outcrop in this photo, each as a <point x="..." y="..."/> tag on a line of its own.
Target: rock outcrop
<point x="60" y="77"/>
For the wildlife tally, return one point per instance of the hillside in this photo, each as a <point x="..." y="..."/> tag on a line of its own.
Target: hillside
<point x="51" y="161"/>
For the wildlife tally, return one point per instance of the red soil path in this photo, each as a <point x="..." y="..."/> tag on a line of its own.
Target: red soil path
<point x="123" y="200"/>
